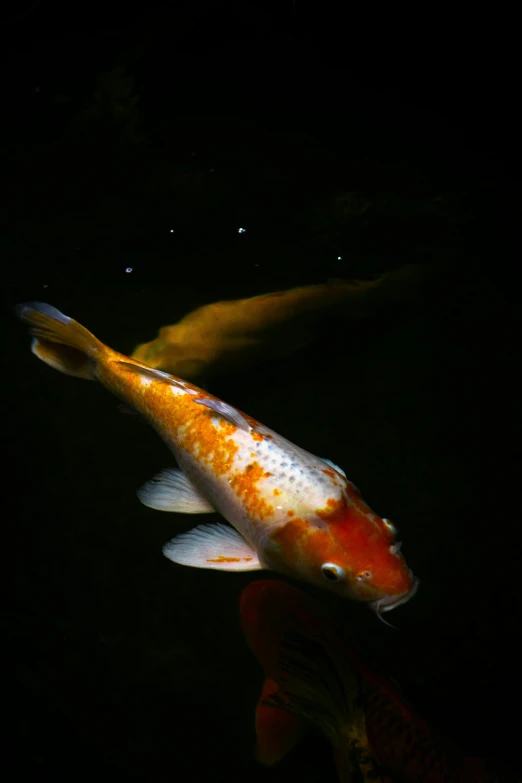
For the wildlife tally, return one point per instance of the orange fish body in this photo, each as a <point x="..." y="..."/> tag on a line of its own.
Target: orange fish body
<point x="314" y="674"/>
<point x="290" y="511"/>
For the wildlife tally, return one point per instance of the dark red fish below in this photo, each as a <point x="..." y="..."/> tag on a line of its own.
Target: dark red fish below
<point x="315" y="677"/>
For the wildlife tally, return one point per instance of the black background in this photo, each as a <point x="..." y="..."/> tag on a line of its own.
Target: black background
<point x="121" y="123"/>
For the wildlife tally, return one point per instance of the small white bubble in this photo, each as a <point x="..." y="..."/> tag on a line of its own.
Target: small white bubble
<point x="171" y="230"/>
<point x="129" y="270"/>
<point x="45" y="285"/>
<point x="241" y="230"/>
<point x="339" y="258"/>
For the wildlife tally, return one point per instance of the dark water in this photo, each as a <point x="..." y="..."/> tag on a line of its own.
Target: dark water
<point x="120" y="662"/>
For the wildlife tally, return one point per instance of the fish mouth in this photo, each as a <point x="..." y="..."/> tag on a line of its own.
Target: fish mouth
<point x="389" y="602"/>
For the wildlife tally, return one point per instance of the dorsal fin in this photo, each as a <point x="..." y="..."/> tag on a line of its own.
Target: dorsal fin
<point x="158" y="375"/>
<point x="227" y="411"/>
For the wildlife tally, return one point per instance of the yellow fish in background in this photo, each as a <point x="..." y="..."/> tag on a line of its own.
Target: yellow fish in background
<point x="222" y="336"/>
<point x="290" y="511"/>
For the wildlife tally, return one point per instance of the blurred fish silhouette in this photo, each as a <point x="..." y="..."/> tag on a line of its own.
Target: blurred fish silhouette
<point x="315" y="676"/>
<point x="223" y="336"/>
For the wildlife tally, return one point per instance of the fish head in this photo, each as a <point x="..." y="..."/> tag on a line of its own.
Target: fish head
<point x="345" y="548"/>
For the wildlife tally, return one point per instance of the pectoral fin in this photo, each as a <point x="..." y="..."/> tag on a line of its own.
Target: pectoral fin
<point x="171" y="490"/>
<point x="212" y="546"/>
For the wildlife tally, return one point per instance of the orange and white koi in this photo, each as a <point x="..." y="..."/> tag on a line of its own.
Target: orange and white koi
<point x="290" y="511"/>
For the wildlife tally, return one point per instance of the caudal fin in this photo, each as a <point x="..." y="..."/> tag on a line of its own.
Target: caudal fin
<point x="59" y="341"/>
<point x="277" y="730"/>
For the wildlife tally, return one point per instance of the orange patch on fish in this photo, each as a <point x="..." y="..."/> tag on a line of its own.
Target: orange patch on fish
<point x="329" y="472"/>
<point x="348" y="510"/>
<point x="355" y="524"/>
<point x="295" y="534"/>
<point x="223" y="559"/>
<point x="335" y="510"/>
<point x="199" y="434"/>
<point x="276" y="491"/>
<point x="244" y="483"/>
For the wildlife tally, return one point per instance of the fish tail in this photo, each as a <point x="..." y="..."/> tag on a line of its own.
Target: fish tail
<point x="59" y="341"/>
<point x="313" y="684"/>
<point x="277" y="730"/>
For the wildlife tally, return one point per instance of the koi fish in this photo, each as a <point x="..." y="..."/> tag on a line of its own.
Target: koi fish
<point x="290" y="511"/>
<point x="314" y="676"/>
<point x="223" y="336"/>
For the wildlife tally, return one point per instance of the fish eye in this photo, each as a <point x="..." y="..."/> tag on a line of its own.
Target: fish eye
<point x="332" y="572"/>
<point x="363" y="576"/>
<point x="391" y="527"/>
